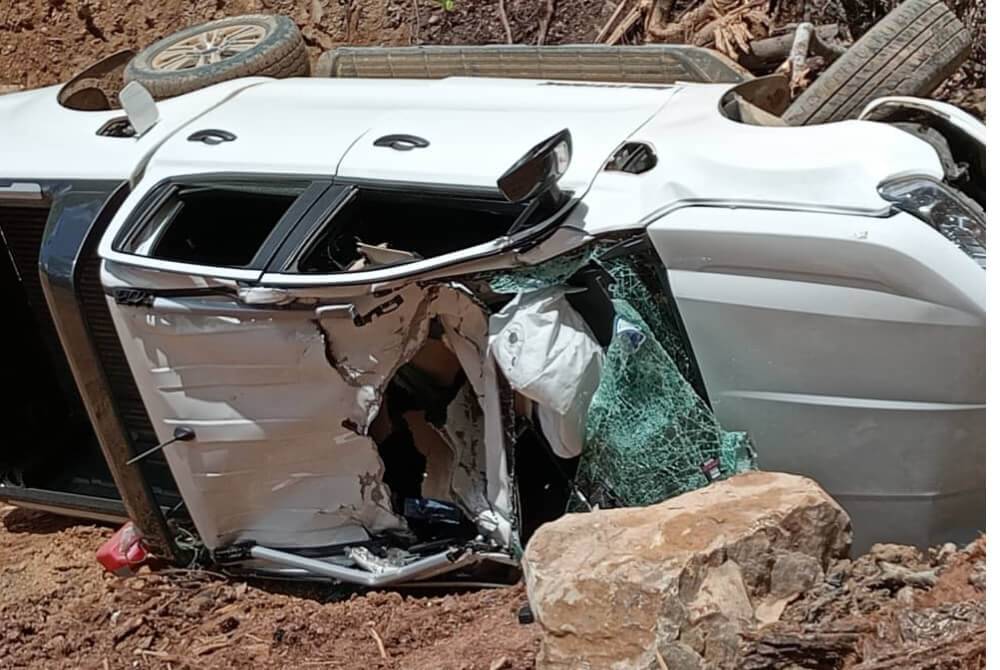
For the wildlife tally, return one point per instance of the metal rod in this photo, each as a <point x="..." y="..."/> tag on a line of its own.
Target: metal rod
<point x="181" y="434"/>
<point x="426" y="567"/>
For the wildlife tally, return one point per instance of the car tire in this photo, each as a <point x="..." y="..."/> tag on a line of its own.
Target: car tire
<point x="909" y="52"/>
<point x="209" y="53"/>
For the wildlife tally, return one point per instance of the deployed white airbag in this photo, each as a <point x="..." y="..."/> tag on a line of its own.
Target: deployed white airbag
<point x="548" y="354"/>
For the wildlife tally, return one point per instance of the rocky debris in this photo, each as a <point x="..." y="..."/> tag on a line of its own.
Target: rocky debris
<point x="679" y="582"/>
<point x="895" y="607"/>
<point x="749" y="573"/>
<point x="60" y="609"/>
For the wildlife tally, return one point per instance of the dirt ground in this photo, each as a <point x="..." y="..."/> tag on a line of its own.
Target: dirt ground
<point x="59" y="609"/>
<point x="47" y="41"/>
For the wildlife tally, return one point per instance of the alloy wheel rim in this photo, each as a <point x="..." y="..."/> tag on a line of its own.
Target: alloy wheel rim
<point x="209" y="47"/>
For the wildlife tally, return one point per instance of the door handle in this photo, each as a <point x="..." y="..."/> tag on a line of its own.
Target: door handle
<point x="402" y="142"/>
<point x="211" y="136"/>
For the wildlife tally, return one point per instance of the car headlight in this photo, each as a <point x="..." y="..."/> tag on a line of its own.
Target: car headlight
<point x="954" y="215"/>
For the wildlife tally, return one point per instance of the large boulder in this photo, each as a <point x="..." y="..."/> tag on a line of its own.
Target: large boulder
<point x="675" y="583"/>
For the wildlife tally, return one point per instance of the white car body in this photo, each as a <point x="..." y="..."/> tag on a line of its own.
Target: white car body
<point x="846" y="337"/>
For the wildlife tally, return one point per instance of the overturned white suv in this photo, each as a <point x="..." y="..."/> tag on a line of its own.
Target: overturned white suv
<point x="378" y="329"/>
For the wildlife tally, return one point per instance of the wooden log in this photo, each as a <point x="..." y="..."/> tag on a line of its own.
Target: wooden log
<point x="770" y="51"/>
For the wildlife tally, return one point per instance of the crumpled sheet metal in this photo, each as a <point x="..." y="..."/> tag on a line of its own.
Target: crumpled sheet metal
<point x="271" y="461"/>
<point x="267" y="392"/>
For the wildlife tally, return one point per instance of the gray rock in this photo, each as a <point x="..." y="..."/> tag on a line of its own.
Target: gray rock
<point x="794" y="573"/>
<point x="679" y="656"/>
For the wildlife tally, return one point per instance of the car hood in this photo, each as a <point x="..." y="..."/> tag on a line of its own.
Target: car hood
<point x="706" y="159"/>
<point x="474" y="128"/>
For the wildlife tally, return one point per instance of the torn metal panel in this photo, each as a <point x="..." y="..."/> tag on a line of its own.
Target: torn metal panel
<point x="466" y="330"/>
<point x="284" y="396"/>
<point x="272" y="461"/>
<point x="463" y="431"/>
<point x="498" y="478"/>
<point x="394" y="327"/>
<point x="399" y="330"/>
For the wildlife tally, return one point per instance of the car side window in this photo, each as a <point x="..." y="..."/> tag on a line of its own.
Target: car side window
<point x="217" y="224"/>
<point x="379" y="228"/>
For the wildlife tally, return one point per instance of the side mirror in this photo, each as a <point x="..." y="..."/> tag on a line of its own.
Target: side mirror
<point x="539" y="169"/>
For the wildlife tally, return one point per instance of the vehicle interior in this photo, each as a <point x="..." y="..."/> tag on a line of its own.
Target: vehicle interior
<point x="383" y="227"/>
<point x="345" y="229"/>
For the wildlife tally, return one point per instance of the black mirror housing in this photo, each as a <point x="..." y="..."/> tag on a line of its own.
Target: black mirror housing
<point x="539" y="169"/>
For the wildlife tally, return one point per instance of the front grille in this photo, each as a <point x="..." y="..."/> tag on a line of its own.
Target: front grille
<point x="23" y="228"/>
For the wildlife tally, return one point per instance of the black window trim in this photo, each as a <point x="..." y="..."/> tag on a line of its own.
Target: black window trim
<point x="161" y="193"/>
<point x="296" y="245"/>
<point x="310" y="227"/>
<point x="289" y="241"/>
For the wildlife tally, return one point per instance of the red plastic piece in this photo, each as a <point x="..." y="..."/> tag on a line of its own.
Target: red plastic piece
<point x="124" y="551"/>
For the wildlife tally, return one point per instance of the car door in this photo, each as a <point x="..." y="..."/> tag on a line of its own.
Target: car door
<point x="270" y="459"/>
<point x="280" y="382"/>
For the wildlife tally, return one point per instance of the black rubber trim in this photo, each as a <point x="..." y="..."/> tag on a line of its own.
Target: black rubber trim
<point x="309" y="228"/>
<point x="289" y="222"/>
<point x="71" y="504"/>
<point x="163" y="190"/>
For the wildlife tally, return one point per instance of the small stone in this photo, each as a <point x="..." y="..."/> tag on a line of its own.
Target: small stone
<point x="895" y="553"/>
<point x="679" y="656"/>
<point x="945" y="551"/>
<point x="694" y="639"/>
<point x="977" y="577"/>
<point x="905" y="596"/>
<point x="722" y="643"/>
<point x="794" y="573"/>
<point x="771" y="609"/>
<point x="500" y="663"/>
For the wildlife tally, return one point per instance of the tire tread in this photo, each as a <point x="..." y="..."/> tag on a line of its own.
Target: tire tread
<point x="909" y="52"/>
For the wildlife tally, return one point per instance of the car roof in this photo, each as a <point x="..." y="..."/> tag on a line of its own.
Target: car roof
<point x="475" y="128"/>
